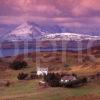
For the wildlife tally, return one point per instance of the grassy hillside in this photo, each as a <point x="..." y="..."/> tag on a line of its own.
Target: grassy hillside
<point x="58" y="60"/>
<point x="29" y="90"/>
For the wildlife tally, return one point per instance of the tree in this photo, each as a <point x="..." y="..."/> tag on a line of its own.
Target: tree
<point x="17" y="65"/>
<point x="22" y="76"/>
<point x="52" y="79"/>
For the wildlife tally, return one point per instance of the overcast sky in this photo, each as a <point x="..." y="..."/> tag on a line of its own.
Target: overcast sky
<point x="68" y="13"/>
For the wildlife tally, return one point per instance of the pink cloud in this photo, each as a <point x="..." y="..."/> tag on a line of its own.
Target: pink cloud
<point x="54" y="7"/>
<point x="29" y="6"/>
<point x="86" y="6"/>
<point x="65" y="12"/>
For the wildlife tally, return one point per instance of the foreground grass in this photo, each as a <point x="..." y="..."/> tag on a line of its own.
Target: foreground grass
<point x="29" y="90"/>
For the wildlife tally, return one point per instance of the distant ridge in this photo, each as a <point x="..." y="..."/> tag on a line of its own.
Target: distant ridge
<point x="29" y="31"/>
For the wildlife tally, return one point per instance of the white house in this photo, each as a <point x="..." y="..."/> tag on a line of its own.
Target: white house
<point x="42" y="71"/>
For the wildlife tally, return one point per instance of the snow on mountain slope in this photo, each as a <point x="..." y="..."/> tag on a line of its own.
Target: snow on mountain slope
<point x="23" y="29"/>
<point x="29" y="31"/>
<point x="69" y="36"/>
<point x="24" y="32"/>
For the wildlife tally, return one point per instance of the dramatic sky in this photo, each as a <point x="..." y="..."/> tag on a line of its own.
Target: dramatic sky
<point x="80" y="14"/>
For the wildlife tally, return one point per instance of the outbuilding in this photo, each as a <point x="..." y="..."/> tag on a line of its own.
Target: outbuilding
<point x="42" y="71"/>
<point x="68" y="78"/>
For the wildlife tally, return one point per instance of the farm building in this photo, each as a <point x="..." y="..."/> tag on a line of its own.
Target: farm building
<point x="42" y="71"/>
<point x="68" y="78"/>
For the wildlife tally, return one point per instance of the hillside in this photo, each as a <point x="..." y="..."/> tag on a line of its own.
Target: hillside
<point x="29" y="89"/>
<point x="58" y="60"/>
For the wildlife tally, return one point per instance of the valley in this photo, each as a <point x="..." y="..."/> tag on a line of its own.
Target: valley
<point x="68" y="53"/>
<point x="29" y="89"/>
<point x="49" y="49"/>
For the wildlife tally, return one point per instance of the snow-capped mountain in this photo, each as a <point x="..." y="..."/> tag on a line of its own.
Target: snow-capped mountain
<point x="30" y="31"/>
<point x="69" y="36"/>
<point x="25" y="31"/>
<point x="37" y="37"/>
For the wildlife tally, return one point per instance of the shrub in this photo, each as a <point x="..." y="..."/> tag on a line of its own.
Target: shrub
<point x="17" y="65"/>
<point x="75" y="75"/>
<point x="7" y="84"/>
<point x="22" y="76"/>
<point x="52" y="79"/>
<point x="33" y="76"/>
<point x="66" y="65"/>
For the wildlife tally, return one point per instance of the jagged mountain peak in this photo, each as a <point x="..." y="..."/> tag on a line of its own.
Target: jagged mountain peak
<point x="29" y="31"/>
<point x="23" y="25"/>
<point x="22" y="29"/>
<point x="25" y="31"/>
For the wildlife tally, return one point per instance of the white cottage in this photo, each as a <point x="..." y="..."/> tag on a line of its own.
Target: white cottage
<point x="42" y="71"/>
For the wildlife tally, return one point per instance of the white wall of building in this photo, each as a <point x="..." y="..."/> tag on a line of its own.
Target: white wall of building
<point x="42" y="71"/>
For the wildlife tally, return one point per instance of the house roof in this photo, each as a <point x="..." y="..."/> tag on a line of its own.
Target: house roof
<point x="68" y="77"/>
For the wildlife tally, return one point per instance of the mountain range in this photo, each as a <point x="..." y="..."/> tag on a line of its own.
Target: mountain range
<point x="30" y="31"/>
<point x="31" y="35"/>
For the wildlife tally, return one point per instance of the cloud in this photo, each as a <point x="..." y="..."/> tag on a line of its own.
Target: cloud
<point x="29" y="7"/>
<point x="87" y="8"/>
<point x="63" y="12"/>
<point x="50" y="8"/>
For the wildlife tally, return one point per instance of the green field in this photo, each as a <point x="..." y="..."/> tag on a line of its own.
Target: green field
<point x="30" y="90"/>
